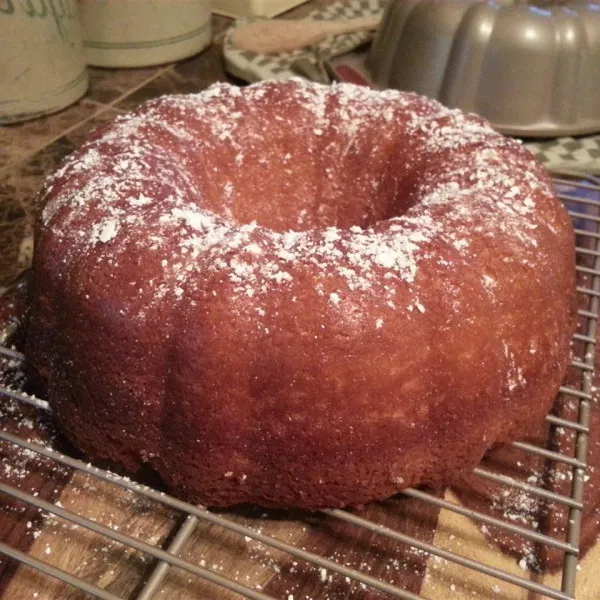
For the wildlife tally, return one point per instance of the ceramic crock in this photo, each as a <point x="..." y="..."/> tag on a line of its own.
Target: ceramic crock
<point x="42" y="64"/>
<point x="137" y="33"/>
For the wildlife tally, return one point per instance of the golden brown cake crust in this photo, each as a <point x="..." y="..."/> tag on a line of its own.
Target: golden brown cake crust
<point x="299" y="295"/>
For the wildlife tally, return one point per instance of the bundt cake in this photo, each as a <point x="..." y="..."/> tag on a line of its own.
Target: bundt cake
<point x="299" y="296"/>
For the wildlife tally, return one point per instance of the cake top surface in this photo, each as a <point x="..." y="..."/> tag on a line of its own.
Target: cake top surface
<point x="137" y="181"/>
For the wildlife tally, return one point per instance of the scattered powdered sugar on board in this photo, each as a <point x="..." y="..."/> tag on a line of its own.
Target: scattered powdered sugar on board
<point x="21" y="467"/>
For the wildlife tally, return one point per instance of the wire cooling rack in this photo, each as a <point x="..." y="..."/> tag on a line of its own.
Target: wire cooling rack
<point x="582" y="198"/>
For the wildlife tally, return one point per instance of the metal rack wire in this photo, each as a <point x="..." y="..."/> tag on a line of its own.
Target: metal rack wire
<point x="583" y="202"/>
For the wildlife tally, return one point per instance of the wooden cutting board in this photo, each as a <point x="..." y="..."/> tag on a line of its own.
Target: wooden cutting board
<point x="122" y="571"/>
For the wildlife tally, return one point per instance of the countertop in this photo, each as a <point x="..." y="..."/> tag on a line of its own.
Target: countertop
<point x="28" y="152"/>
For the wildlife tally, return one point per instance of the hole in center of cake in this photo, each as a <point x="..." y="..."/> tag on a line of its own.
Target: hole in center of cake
<point x="293" y="191"/>
<point x="303" y="178"/>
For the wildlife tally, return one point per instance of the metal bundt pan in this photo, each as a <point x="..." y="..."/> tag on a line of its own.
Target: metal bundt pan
<point x="532" y="69"/>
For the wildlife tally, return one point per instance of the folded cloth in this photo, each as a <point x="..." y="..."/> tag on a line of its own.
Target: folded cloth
<point x="569" y="154"/>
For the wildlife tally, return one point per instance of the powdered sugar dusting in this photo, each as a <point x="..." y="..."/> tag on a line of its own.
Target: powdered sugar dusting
<point x="105" y="231"/>
<point x="132" y="183"/>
